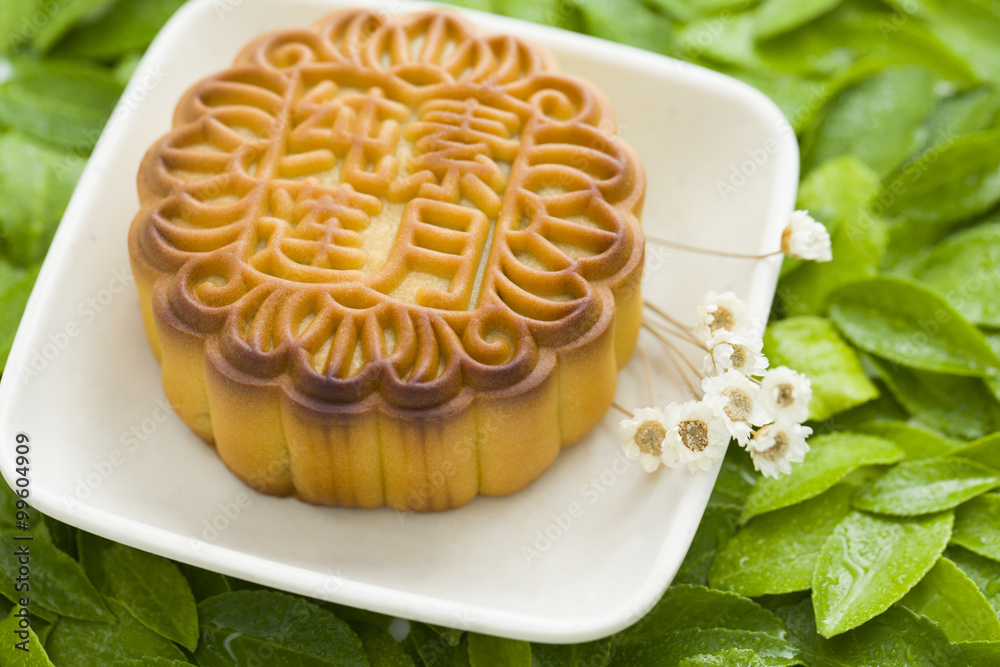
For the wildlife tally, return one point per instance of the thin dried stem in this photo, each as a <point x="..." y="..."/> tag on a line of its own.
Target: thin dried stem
<point x="674" y="354"/>
<point x="683" y="335"/>
<point x="648" y="368"/>
<point x="673" y="349"/>
<point x="620" y="409"/>
<point x="706" y="251"/>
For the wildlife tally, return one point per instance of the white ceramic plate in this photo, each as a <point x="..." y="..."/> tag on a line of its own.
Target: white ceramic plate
<point x="581" y="553"/>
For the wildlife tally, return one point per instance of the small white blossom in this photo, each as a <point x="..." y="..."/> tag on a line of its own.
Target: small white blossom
<point x="786" y="394"/>
<point x="804" y="238"/>
<point x="697" y="434"/>
<point x="720" y="312"/>
<point x="728" y="351"/>
<point x="775" y="447"/>
<point x="738" y="401"/>
<point x="643" y="437"/>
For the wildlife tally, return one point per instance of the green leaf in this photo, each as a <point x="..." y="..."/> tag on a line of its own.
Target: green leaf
<point x="736" y="478"/>
<point x="977" y="527"/>
<point x="777" y="552"/>
<point x="204" y="583"/>
<point x="151" y="662"/>
<point x="986" y="450"/>
<point x="15" y="288"/>
<point x="985" y="573"/>
<point x="672" y="649"/>
<point x="35" y="186"/>
<point x="434" y="651"/>
<point x="952" y="183"/>
<point x="953" y="601"/>
<point x="353" y="616"/>
<point x="591" y="654"/>
<point x="685" y="607"/>
<point x="969" y="27"/>
<point x="965" y="270"/>
<point x="962" y="114"/>
<point x="628" y="22"/>
<point x="451" y="636"/>
<point x="917" y="441"/>
<point x="239" y="627"/>
<point x="16" y="29"/>
<point x="870" y="562"/>
<point x="880" y="120"/>
<point x="897" y="638"/>
<point x="149" y="586"/>
<point x="730" y="41"/>
<point x="862" y="33"/>
<point x="381" y="648"/>
<point x="65" y="103"/>
<point x="130" y="26"/>
<point x="20" y="646"/>
<point x="831" y="457"/>
<point x="904" y="322"/>
<point x="981" y="654"/>
<point x="489" y="651"/>
<point x="929" y="485"/>
<point x="812" y="346"/>
<point x="89" y="644"/>
<point x="960" y="406"/>
<point x="62" y="18"/>
<point x="718" y="524"/>
<point x="58" y="583"/>
<point x="774" y="17"/>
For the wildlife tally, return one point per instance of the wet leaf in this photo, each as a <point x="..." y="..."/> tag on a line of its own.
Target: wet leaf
<point x="981" y="654"/>
<point x="239" y="627"/>
<point x="960" y="406"/>
<point x="917" y="441"/>
<point x="906" y="323"/>
<point x="20" y="646"/>
<point x="777" y="552"/>
<point x="831" y="457"/>
<point x="382" y="650"/>
<point x="685" y="607"/>
<point x="131" y="26"/>
<point x="985" y="450"/>
<point x="718" y="525"/>
<point x="89" y="644"/>
<point x="896" y="638"/>
<point x="953" y="601"/>
<point x="591" y="654"/>
<point x="149" y="586"/>
<point x="983" y="571"/>
<point x="929" y="485"/>
<point x="977" y="526"/>
<point x="671" y="649"/>
<point x="880" y="120"/>
<point x="870" y="562"/>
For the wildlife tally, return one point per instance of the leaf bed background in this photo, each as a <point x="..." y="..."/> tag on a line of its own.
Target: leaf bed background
<point x="883" y="548"/>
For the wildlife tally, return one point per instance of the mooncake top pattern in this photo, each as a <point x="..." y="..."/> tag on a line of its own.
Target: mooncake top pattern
<point x="392" y="205"/>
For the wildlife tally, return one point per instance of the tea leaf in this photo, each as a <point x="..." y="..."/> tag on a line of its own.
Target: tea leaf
<point x="488" y="651"/>
<point x="149" y="586"/>
<point x="381" y="648"/>
<point x="906" y="323"/>
<point x="685" y="607"/>
<point x="977" y="527"/>
<point x="929" y="485"/>
<point x="918" y="442"/>
<point x="718" y="525"/>
<point x="831" y="458"/>
<point x="591" y="654"/>
<point x="21" y="647"/>
<point x="131" y="26"/>
<point x="985" y="573"/>
<point x="777" y="552"/>
<point x="949" y="598"/>
<point x="870" y="562"/>
<point x="671" y="649"/>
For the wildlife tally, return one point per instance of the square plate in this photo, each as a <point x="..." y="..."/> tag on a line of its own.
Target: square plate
<point x="582" y="552"/>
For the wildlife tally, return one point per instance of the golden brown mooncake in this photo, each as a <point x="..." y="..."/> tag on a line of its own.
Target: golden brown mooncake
<point x="390" y="260"/>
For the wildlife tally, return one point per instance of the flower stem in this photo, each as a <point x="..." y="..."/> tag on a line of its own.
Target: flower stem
<point x="682" y="332"/>
<point x="620" y="409"/>
<point x="676" y="354"/>
<point x="707" y="251"/>
<point x="648" y="367"/>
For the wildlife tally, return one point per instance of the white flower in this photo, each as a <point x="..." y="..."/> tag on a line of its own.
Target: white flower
<point x="738" y="401"/>
<point x="728" y="351"/>
<point x="805" y="238"/>
<point x="697" y="434"/>
<point x="643" y="437"/>
<point x="786" y="394"/>
<point x="719" y="312"/>
<point x="775" y="447"/>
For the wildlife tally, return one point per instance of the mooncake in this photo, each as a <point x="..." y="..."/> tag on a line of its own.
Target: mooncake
<point x="390" y="260"/>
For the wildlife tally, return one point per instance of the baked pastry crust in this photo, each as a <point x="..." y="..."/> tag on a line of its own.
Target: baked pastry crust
<point x="390" y="260"/>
